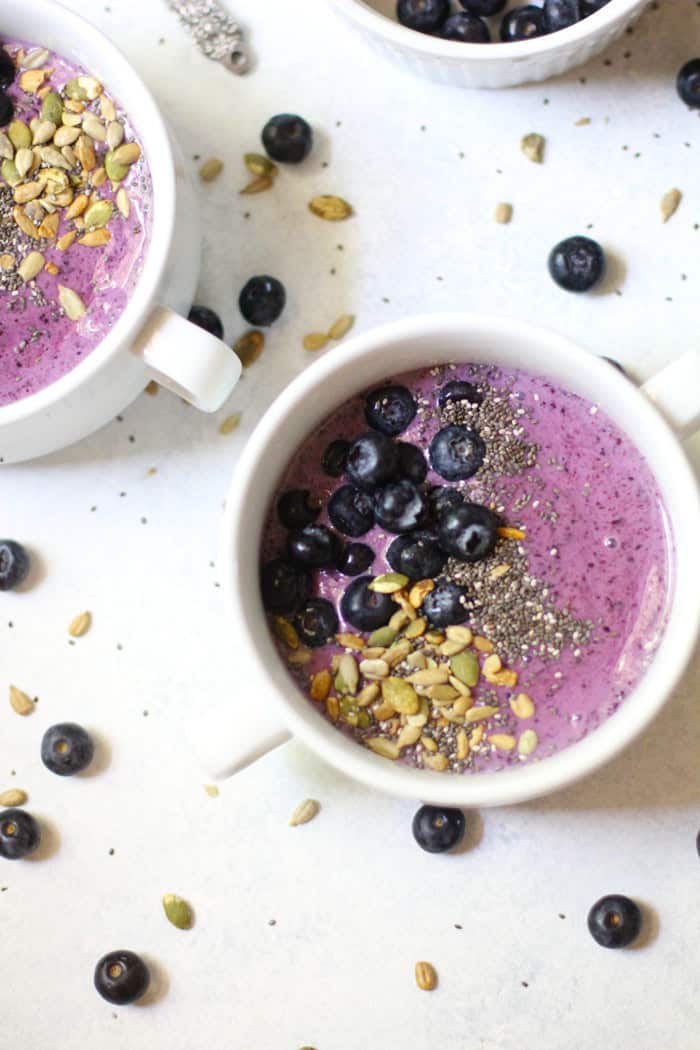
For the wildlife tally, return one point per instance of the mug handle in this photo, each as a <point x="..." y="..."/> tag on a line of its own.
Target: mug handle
<point x="226" y="744"/>
<point x="187" y="360"/>
<point x="674" y="391"/>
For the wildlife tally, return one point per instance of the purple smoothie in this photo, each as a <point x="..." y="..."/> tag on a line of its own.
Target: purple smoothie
<point x="580" y="609"/>
<point x="39" y="341"/>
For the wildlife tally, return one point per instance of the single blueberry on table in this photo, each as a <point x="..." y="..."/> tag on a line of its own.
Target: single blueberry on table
<point x="315" y="546"/>
<point x="484" y="8"/>
<point x="297" y="508"/>
<point x="446" y="604"/>
<point x="466" y="29"/>
<point x="438" y="829"/>
<point x="412" y="463"/>
<point x="355" y="559"/>
<point x="560" y="14"/>
<point x="468" y="531"/>
<point x="459" y="390"/>
<point x="14" y="564"/>
<point x="67" y="749"/>
<point x="456" y="452"/>
<point x="400" y="507"/>
<point x="121" y="977"/>
<point x="284" y="587"/>
<point x="19" y="834"/>
<point x="390" y="409"/>
<point x="522" y="23"/>
<point x="7" y="109"/>
<point x="287" y="138"/>
<point x="335" y="457"/>
<point x="8" y="72"/>
<point x="373" y="459"/>
<point x="366" y="610"/>
<point x="688" y="83"/>
<point x="351" y="510"/>
<point x="207" y="319"/>
<point x="424" y="15"/>
<point x="316" y="622"/>
<point x="576" y="264"/>
<point x="614" y="921"/>
<point x="440" y="497"/>
<point x="416" y="555"/>
<point x="262" y="300"/>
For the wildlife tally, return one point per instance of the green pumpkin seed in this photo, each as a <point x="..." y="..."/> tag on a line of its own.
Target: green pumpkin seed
<point x="383" y="636"/>
<point x="52" y="108"/>
<point x="19" y="135"/>
<point x="178" y="911"/>
<point x="98" y="214"/>
<point x="75" y="90"/>
<point x="9" y="173"/>
<point x="257" y="164"/>
<point x="115" y="171"/>
<point x="388" y="583"/>
<point x="401" y="695"/>
<point x="465" y="667"/>
<point x="364" y="719"/>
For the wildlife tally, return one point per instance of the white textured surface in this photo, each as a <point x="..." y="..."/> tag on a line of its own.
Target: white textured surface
<point x="356" y="903"/>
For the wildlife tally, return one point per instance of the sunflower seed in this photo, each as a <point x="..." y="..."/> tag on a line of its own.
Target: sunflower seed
<point x="315" y="341"/>
<point x="259" y="165"/>
<point x="502" y="741"/>
<point x="71" y="302"/>
<point x="35" y="58"/>
<point x="341" y="327"/>
<point x="304" y="812"/>
<point x="13" y="797"/>
<point x="320" y="686"/>
<point x="503" y="213"/>
<point x="522" y="706"/>
<point x="426" y="977"/>
<point x="258" y="185"/>
<point x="381" y="746"/>
<point x="80" y="625"/>
<point x="20" y="702"/>
<point x="532" y="146"/>
<point x="211" y="169"/>
<point x="401" y="695"/>
<point x="331" y="208"/>
<point x="438" y="762"/>
<point x="230" y="424"/>
<point x="115" y="134"/>
<point x="7" y="150"/>
<point x="528" y="742"/>
<point x="31" y="266"/>
<point x="123" y="203"/>
<point x="669" y="204"/>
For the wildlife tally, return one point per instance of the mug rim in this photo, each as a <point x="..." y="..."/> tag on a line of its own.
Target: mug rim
<point x="531" y="780"/>
<point x="155" y="142"/>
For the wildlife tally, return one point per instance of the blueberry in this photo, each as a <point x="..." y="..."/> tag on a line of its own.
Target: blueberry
<point x="334" y="458"/>
<point x="317" y="622"/>
<point x="459" y="390"/>
<point x="314" y="546"/>
<point x="207" y="319"/>
<point x="438" y="829"/>
<point x="614" y="921"/>
<point x="8" y="71"/>
<point x="373" y="460"/>
<point x="366" y="610"/>
<point x="283" y="586"/>
<point x="456" y="452"/>
<point x="121" y="977"/>
<point x="424" y="15"/>
<point x="296" y="508"/>
<point x="416" y="555"/>
<point x="351" y="510"/>
<point x="19" y="834"/>
<point x="14" y="564"/>
<point x="484" y="8"/>
<point x="466" y="28"/>
<point x="287" y="138"/>
<point x="262" y="301"/>
<point x="390" y="409"/>
<point x="7" y="109"/>
<point x="440" y="497"/>
<point x="446" y="604"/>
<point x="576" y="264"/>
<point x="412" y="463"/>
<point x="468" y="532"/>
<point x="400" y="507"/>
<point x="560" y="14"/>
<point x="589" y="7"/>
<point x="688" y="83"/>
<point x="66" y="749"/>
<point x="355" y="559"/>
<point x="522" y="23"/>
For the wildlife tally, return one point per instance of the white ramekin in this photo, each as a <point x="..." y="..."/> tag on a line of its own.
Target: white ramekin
<point x="489" y="65"/>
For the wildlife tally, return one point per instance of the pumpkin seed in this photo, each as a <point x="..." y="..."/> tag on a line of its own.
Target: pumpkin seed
<point x="341" y="327"/>
<point x="9" y="172"/>
<point x="52" y="108"/>
<point x="401" y="695"/>
<point x="532" y="146"/>
<point x="459" y="634"/>
<point x="20" y="702"/>
<point x="94" y="127"/>
<point x="71" y="302"/>
<point x="211" y="169"/>
<point x="19" y="135"/>
<point x="43" y="133"/>
<point x="330" y="208"/>
<point x="408" y="736"/>
<point x="66" y="136"/>
<point x="230" y="424"/>
<point x="115" y="134"/>
<point x="13" y="797"/>
<point x="465" y="667"/>
<point x="31" y="266"/>
<point x="54" y="157"/>
<point x="115" y="171"/>
<point x="304" y="812"/>
<point x="7" y="150"/>
<point x="426" y="977"/>
<point x="669" y="204"/>
<point x="99" y="214"/>
<point x="75" y="90"/>
<point x="178" y="911"/>
<point x="388" y="583"/>
<point x="80" y="625"/>
<point x="383" y="636"/>
<point x="257" y="164"/>
<point x="315" y="341"/>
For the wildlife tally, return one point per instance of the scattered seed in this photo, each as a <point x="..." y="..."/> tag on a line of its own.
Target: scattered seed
<point x="31" y="266"/>
<point x="483" y="644"/>
<point x="259" y="185"/>
<point x="178" y="911"/>
<point x="13" y="797"/>
<point x="320" y="686"/>
<point x="426" y="977"/>
<point x="508" y="533"/>
<point x="304" y="812"/>
<point x="71" y="302"/>
<point x="528" y="742"/>
<point x="211" y="169"/>
<point x="502" y="741"/>
<point x="286" y="632"/>
<point x="351" y="641"/>
<point x="437" y="762"/>
<point x="249" y="347"/>
<point x="20" y="702"/>
<point x="408" y="736"/>
<point x="331" y="208"/>
<point x="315" y="341"/>
<point x="80" y="625"/>
<point x="522" y="706"/>
<point x="341" y="327"/>
<point x="582" y="122"/>
<point x="532" y="146"/>
<point x="258" y="164"/>
<point x="503" y="213"/>
<point x="230" y="424"/>
<point x="669" y="204"/>
<point x="374" y="668"/>
<point x="211" y="790"/>
<point x="431" y="676"/>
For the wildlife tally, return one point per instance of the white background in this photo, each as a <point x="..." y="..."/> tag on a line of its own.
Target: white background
<point x="356" y="903"/>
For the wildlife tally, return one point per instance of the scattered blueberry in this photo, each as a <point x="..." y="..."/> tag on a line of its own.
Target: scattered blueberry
<point x="284" y="586"/>
<point x="335" y="457"/>
<point x="390" y="409"/>
<point x="484" y="8"/>
<point x="316" y="622"/>
<point x="468" y="532"/>
<point x="7" y="109"/>
<point x="412" y="463"/>
<point x="522" y="23"/>
<point x="287" y="138"/>
<point x="560" y="14"/>
<point x="459" y="390"/>
<point x="614" y="921"/>
<point x="416" y="555"/>
<point x="688" y="83"/>
<point x="424" y="15"/>
<point x="576" y="264"/>
<point x="446" y="604"/>
<point x="121" y="977"/>
<point x="400" y="507"/>
<point x="19" y="834"/>
<point x="456" y="452"/>
<point x="438" y="829"/>
<point x="355" y="559"/>
<point x="373" y="460"/>
<point x="7" y="69"/>
<point x="466" y="29"/>
<point x="315" y="546"/>
<point x="262" y="301"/>
<point x="440" y="497"/>
<point x="296" y="508"/>
<point x="14" y="564"/>
<point x="366" y="610"/>
<point x="351" y="510"/>
<point x="66" y="749"/>
<point x="207" y="319"/>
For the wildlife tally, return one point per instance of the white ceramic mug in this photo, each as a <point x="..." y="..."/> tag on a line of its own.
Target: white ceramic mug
<point x="151" y="340"/>
<point x="269" y="704"/>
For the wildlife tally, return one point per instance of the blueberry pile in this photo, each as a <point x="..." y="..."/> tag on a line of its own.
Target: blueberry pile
<point x="383" y="484"/>
<point x="468" y="24"/>
<point x="7" y="76"/>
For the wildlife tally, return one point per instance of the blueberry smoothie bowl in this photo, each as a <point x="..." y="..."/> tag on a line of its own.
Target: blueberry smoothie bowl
<point x="467" y="568"/>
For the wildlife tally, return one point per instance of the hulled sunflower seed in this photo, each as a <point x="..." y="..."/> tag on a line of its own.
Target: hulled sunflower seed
<point x="304" y="812"/>
<point x="122" y="202"/>
<point x="315" y="341"/>
<point x="13" y="797"/>
<point x="426" y="977"/>
<point x="31" y="266"/>
<point x="320" y="687"/>
<point x="211" y="169"/>
<point x="669" y="204"/>
<point x="115" y="134"/>
<point x="127" y="154"/>
<point x="20" y="702"/>
<point x="527" y="742"/>
<point x="381" y="746"/>
<point x="341" y="327"/>
<point x="522" y="706"/>
<point x="230" y="424"/>
<point x="503" y="213"/>
<point x="502" y="741"/>
<point x="71" y="302"/>
<point x="257" y="185"/>
<point x="80" y="625"/>
<point x="532" y="146"/>
<point x="330" y="208"/>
